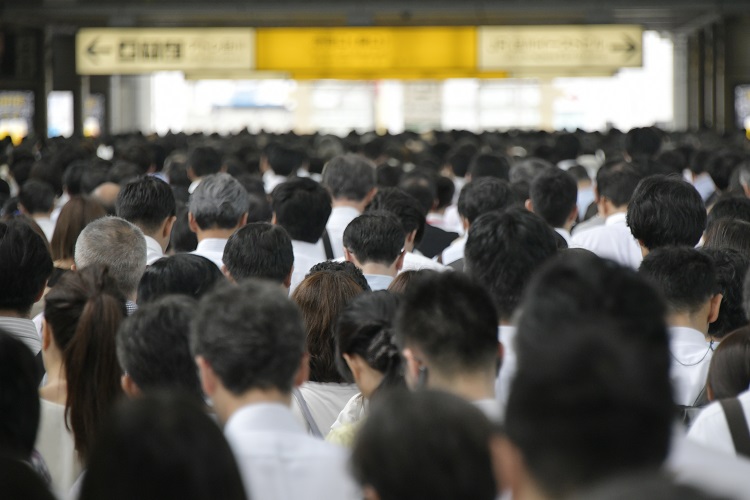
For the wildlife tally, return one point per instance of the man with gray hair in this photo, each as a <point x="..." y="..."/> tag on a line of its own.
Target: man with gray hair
<point x="119" y="245"/>
<point x="350" y="179"/>
<point x="217" y="208"/>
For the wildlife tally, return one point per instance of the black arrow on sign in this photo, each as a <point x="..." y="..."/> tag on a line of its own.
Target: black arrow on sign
<point x="628" y="47"/>
<point x="92" y="51"/>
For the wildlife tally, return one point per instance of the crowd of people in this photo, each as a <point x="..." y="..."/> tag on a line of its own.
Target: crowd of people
<point x="518" y="315"/>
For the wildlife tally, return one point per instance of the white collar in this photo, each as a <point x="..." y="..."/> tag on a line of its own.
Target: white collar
<point x="619" y="217"/>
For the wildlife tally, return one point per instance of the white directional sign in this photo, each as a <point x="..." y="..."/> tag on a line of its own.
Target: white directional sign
<point x="536" y="47"/>
<point x="107" y="51"/>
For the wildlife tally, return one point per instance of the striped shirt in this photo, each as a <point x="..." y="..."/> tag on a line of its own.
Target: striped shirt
<point x="24" y="330"/>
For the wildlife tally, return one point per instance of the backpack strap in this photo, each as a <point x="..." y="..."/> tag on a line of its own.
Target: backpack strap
<point x="314" y="430"/>
<point x="735" y="416"/>
<point x="327" y="245"/>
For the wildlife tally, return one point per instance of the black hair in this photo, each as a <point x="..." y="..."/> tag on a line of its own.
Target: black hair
<point x="36" y="197"/>
<point x="733" y="207"/>
<point x="617" y="182"/>
<point x="345" y="267"/>
<point x="25" y="266"/>
<point x="444" y="189"/>
<point x="666" y="211"/>
<point x="302" y="207"/>
<point x="553" y="194"/>
<point x="349" y="177"/>
<point x="643" y="142"/>
<point x="452" y="320"/>
<point x="123" y="172"/>
<point x="375" y="236"/>
<point x="405" y="207"/>
<point x="21" y="481"/>
<point x="183" y="274"/>
<point x="720" y="167"/>
<point x="285" y="161"/>
<point x="731" y="269"/>
<point x="686" y="277"/>
<point x="251" y="335"/>
<point x="147" y="202"/>
<point x="182" y="239"/>
<point x="484" y="195"/>
<point x="388" y="175"/>
<point x="421" y="188"/>
<point x="489" y="165"/>
<point x="48" y="172"/>
<point x="365" y="329"/>
<point x="728" y="233"/>
<point x="154" y="349"/>
<point x="73" y="175"/>
<point x="19" y="399"/>
<point x="591" y="397"/>
<point x="204" y="160"/>
<point x="259" y="250"/>
<point x="502" y="252"/>
<point x="567" y="147"/>
<point x="729" y="372"/>
<point x="162" y="446"/>
<point x="425" y="445"/>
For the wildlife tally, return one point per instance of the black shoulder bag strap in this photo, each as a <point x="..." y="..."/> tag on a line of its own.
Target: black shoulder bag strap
<point x="737" y="425"/>
<point x="327" y="245"/>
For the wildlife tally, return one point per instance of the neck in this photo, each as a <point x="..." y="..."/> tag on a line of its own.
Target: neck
<point x="689" y="320"/>
<point x="204" y="234"/>
<point x="470" y="386"/>
<point x="64" y="263"/>
<point x="9" y="313"/>
<point x="158" y="236"/>
<point x="227" y="404"/>
<point x="345" y="202"/>
<point x="55" y="389"/>
<point x="375" y="268"/>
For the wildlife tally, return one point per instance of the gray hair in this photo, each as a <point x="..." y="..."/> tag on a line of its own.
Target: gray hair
<point x="349" y="177"/>
<point x="218" y="202"/>
<point x="117" y="244"/>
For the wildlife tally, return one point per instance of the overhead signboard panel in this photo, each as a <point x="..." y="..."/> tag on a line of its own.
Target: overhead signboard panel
<point x="108" y="51"/>
<point x="395" y="52"/>
<point x="534" y="47"/>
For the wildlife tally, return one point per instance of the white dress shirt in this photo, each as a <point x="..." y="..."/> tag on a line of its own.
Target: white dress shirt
<point x="55" y="443"/>
<point x="279" y="461"/>
<point x="325" y="400"/>
<point x="271" y="180"/>
<point x="415" y="262"/>
<point x="337" y="222"/>
<point x="691" y="356"/>
<point x="711" y="429"/>
<point x="455" y="251"/>
<point x="306" y="255"/>
<point x="612" y="241"/>
<point x="47" y="225"/>
<point x="212" y="249"/>
<point x="564" y="233"/>
<point x="490" y="408"/>
<point x="378" y="281"/>
<point x="506" y="335"/>
<point x="452" y="220"/>
<point x="154" y="251"/>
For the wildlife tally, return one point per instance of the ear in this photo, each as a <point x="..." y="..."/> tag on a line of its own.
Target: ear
<point x="192" y="224"/>
<point x="273" y="219"/>
<point x="73" y="267"/>
<point x="465" y="223"/>
<point x="303" y="372"/>
<point x="129" y="386"/>
<point x="354" y="364"/>
<point x="412" y="368"/>
<point x="713" y="311"/>
<point x="349" y="257"/>
<point x="369" y="196"/>
<point x="226" y="273"/>
<point x="644" y="250"/>
<point x="529" y="205"/>
<point x="573" y="214"/>
<point x="191" y="174"/>
<point x="166" y="229"/>
<point x="369" y="493"/>
<point x="509" y="466"/>
<point x="411" y="237"/>
<point x="209" y="379"/>
<point x="46" y="335"/>
<point x="22" y="209"/>
<point x="400" y="260"/>
<point x="41" y="293"/>
<point x="243" y="220"/>
<point x="288" y="280"/>
<point x="596" y="194"/>
<point x="500" y="355"/>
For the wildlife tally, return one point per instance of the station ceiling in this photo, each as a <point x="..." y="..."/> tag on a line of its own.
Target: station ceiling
<point x="663" y="15"/>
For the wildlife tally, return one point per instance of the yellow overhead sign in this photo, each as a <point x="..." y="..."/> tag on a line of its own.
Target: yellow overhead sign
<point x="368" y="52"/>
<point x="533" y="47"/>
<point x="109" y="51"/>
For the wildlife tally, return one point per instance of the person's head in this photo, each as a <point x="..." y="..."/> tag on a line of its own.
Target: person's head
<point x="591" y="397"/>
<point x="615" y="184"/>
<point x="76" y="214"/>
<point x="366" y="351"/>
<point x="447" y="329"/>
<point x="643" y="143"/>
<point x="426" y="444"/>
<point x="19" y="399"/>
<point x="321" y="297"/>
<point x="203" y="161"/>
<point x="731" y="234"/>
<point x="731" y="268"/>
<point x="666" y="211"/>
<point x="248" y="339"/>
<point x="553" y="195"/>
<point x="489" y="165"/>
<point x="729" y="372"/>
<point x="182" y="239"/>
<point x="219" y="202"/>
<point x="36" y="197"/>
<point x="485" y="195"/>
<point x="117" y="244"/>
<point x="526" y="170"/>
<point x="347" y="268"/>
<point x="405" y="279"/>
<point x="161" y="446"/>
<point x="153" y="348"/>
<point x="82" y="313"/>
<point x="375" y="237"/>
<point x="183" y="274"/>
<point x="25" y="266"/>
<point x="567" y="147"/>
<point x="349" y="177"/>
<point x="687" y="280"/>
<point x="302" y="207"/>
<point x="502" y="252"/>
<point x="444" y="191"/>
<point x="148" y="202"/>
<point x="734" y="207"/>
<point x="406" y="209"/>
<point x="721" y="166"/>
<point x="259" y="250"/>
<point x="285" y="161"/>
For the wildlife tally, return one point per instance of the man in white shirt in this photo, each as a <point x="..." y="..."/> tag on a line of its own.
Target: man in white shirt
<point x="615" y="184"/>
<point x="302" y="207"/>
<point x="503" y="251"/>
<point x="447" y="330"/>
<point x="279" y="164"/>
<point x="350" y="179"/>
<point x="202" y="161"/>
<point x="374" y="242"/>
<point x="149" y="203"/>
<point x="711" y="428"/>
<point x="687" y="280"/>
<point x="259" y="250"/>
<point x="552" y="196"/>
<point x="37" y="200"/>
<point x="217" y="208"/>
<point x="249" y="343"/>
